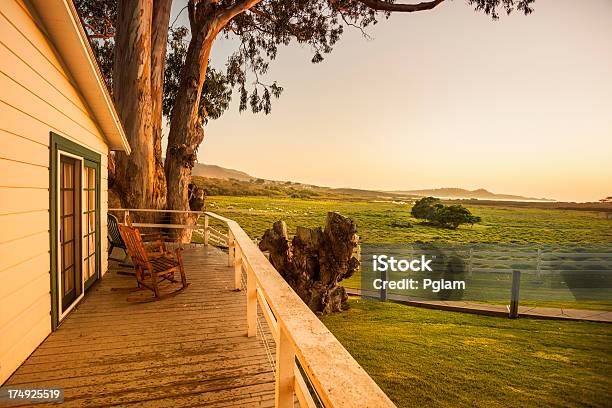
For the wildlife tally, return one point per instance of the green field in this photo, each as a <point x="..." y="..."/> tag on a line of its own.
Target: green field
<point x="375" y="221"/>
<point x="423" y="357"/>
<point x="501" y="225"/>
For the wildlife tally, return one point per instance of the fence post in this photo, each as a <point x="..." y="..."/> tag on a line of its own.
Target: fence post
<point x="383" y="289"/>
<point x="514" y="299"/>
<point x="206" y="231"/>
<point x="285" y="374"/>
<point x="251" y="296"/>
<point x="237" y="268"/>
<point x="230" y="248"/>
<point x="538" y="263"/>
<point x="470" y="262"/>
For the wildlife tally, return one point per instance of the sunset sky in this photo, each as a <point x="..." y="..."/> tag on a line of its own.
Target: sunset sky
<point x="446" y="98"/>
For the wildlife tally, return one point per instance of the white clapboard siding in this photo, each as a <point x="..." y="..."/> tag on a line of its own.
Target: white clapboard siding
<point x="22" y="298"/>
<point x="12" y="253"/>
<point x="21" y="20"/>
<point x="27" y="100"/>
<point x="24" y="124"/>
<point x="22" y="274"/>
<point x="38" y="96"/>
<point x="15" y="200"/>
<point x="19" y="225"/>
<point x="24" y="335"/>
<point x="25" y="150"/>
<point x="15" y="68"/>
<point x="13" y="332"/>
<point x="18" y="174"/>
<point x="35" y="52"/>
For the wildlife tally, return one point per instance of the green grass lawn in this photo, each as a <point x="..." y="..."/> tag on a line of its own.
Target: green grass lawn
<point x="423" y="357"/>
<point x="375" y="221"/>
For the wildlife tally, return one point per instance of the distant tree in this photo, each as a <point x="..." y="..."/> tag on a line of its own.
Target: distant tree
<point x="447" y="216"/>
<point x="425" y="208"/>
<point x="451" y="216"/>
<point x="606" y="200"/>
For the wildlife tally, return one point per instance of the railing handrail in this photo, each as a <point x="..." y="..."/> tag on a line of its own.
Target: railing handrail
<point x="156" y="210"/>
<point x="337" y="378"/>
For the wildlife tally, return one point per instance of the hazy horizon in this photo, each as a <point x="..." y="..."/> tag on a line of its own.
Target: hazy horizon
<point x="446" y="98"/>
<point x="407" y="190"/>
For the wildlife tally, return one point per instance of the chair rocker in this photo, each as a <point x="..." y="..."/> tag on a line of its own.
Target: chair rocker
<point x="154" y="270"/>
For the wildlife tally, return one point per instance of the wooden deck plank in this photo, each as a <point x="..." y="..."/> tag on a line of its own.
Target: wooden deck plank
<point x="188" y="350"/>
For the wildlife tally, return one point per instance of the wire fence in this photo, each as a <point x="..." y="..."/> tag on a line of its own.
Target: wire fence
<point x="579" y="276"/>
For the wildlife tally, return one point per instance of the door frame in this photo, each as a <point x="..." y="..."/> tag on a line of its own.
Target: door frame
<point x="59" y="144"/>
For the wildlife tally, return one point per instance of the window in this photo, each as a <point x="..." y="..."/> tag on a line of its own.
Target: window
<point x="90" y="272"/>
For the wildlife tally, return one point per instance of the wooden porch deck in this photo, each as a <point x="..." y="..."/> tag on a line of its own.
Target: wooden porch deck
<point x="189" y="350"/>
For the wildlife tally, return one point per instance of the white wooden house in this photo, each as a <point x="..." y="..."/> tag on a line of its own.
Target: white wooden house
<point x="57" y="126"/>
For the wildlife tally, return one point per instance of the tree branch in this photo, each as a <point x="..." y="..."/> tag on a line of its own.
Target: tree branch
<point x="381" y="5"/>
<point x="237" y="8"/>
<point x="293" y="28"/>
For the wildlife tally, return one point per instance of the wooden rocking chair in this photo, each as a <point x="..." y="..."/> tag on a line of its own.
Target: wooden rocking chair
<point x="153" y="268"/>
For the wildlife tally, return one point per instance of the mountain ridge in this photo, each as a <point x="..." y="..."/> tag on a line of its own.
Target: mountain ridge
<point x="218" y="172"/>
<point x="479" y="193"/>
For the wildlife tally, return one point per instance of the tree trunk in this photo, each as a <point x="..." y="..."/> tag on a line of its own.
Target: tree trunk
<point x="138" y="177"/>
<point x="159" y="43"/>
<point x="186" y="127"/>
<point x="316" y="260"/>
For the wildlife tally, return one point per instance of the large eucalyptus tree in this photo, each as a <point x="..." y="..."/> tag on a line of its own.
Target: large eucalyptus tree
<point x="156" y="70"/>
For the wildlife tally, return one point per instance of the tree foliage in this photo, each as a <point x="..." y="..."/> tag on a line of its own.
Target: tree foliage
<point x="260" y="31"/>
<point x="425" y="208"/>
<point x="217" y="92"/>
<point x="447" y="216"/>
<point x="451" y="216"/>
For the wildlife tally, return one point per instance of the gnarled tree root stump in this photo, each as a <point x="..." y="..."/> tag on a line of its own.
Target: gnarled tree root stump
<point x="315" y="260"/>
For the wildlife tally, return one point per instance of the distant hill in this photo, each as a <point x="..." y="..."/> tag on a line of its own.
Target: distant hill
<point x="218" y="172"/>
<point x="480" y="194"/>
<point x="211" y="171"/>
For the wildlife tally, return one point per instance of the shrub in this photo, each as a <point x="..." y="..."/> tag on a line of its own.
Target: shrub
<point x="425" y="208"/>
<point x="448" y="216"/>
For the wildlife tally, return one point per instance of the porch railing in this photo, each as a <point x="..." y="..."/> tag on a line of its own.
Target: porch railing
<point x="311" y="364"/>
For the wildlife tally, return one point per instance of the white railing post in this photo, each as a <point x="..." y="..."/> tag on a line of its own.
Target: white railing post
<point x="284" y="375"/>
<point x="230" y="249"/>
<point x="251" y="296"/>
<point x="206" y="231"/>
<point x="237" y="268"/>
